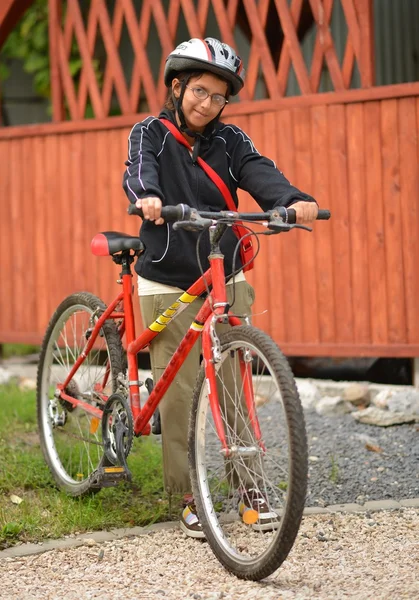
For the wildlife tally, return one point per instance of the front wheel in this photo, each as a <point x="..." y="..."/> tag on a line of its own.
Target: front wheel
<point x="70" y="437"/>
<point x="251" y="501"/>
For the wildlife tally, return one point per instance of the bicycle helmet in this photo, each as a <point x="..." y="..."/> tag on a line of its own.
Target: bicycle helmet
<point x="207" y="55"/>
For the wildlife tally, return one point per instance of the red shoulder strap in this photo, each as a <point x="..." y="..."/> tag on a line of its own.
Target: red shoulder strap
<point x="208" y="170"/>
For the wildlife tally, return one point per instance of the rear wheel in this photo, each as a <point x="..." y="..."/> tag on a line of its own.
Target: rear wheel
<point x="71" y="438"/>
<point x="269" y="476"/>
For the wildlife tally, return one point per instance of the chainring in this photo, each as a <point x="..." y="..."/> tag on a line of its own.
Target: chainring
<point x="117" y="429"/>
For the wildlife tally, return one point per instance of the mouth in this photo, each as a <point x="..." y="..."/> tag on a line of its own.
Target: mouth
<point x="201" y="115"/>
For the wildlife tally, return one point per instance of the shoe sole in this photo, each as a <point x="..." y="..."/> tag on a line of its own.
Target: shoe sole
<point x="191" y="532"/>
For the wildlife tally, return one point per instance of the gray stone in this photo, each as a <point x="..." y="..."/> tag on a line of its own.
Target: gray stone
<point x="382" y="418"/>
<point x="347" y="508"/>
<point x="333" y="406"/>
<point x="381" y="399"/>
<point x="5" y="376"/>
<point x="309" y="394"/>
<point x="357" y="394"/>
<point x="410" y="502"/>
<point x="381" y="505"/>
<point x="405" y="402"/>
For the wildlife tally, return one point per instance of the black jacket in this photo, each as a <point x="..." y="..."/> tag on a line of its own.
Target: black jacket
<point x="158" y="165"/>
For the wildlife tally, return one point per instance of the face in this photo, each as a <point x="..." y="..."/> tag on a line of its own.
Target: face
<point x="198" y="113"/>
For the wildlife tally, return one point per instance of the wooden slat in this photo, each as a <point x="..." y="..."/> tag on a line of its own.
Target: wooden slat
<point x="264" y="310"/>
<point x="16" y="192"/>
<point x="374" y="216"/>
<point x="392" y="222"/>
<point x="408" y="109"/>
<point x="56" y="268"/>
<point x="24" y="245"/>
<point x="113" y="61"/>
<point x="83" y="45"/>
<point x="66" y="79"/>
<point x="318" y="51"/>
<point x="275" y="281"/>
<point x="141" y="57"/>
<point x="348" y="63"/>
<point x="117" y="22"/>
<point x="292" y="310"/>
<point x="338" y="186"/>
<point x="357" y="223"/>
<point x="290" y="34"/>
<point x="322" y="232"/>
<point x="6" y="257"/>
<point x="365" y="12"/>
<point x="56" y="88"/>
<point x="285" y="57"/>
<point x="306" y="265"/>
<point x="328" y="45"/>
<point x="92" y="25"/>
<point x="259" y="45"/>
<point x="40" y="225"/>
<point x="353" y="26"/>
<point x="191" y="19"/>
<point x="136" y="80"/>
<point x="252" y="70"/>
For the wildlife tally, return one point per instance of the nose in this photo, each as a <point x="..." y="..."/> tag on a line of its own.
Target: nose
<point x="207" y="102"/>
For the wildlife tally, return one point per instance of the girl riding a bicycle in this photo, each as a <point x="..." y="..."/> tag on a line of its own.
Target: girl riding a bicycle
<point x="200" y="75"/>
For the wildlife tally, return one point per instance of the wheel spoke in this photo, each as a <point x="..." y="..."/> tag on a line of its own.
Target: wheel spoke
<point x="243" y="498"/>
<point x="72" y="439"/>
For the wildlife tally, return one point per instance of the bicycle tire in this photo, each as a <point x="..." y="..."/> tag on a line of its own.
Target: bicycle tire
<point x="70" y="439"/>
<point x="280" y="474"/>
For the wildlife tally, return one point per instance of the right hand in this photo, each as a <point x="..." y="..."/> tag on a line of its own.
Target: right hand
<point x="151" y="207"/>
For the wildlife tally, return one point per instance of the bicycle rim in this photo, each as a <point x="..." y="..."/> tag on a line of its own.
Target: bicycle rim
<point x="71" y="439"/>
<point x="274" y="469"/>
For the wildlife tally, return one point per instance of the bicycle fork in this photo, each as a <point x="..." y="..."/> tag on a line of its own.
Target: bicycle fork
<point x="211" y="350"/>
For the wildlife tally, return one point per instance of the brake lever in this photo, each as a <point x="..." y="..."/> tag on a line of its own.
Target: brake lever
<point x="278" y="226"/>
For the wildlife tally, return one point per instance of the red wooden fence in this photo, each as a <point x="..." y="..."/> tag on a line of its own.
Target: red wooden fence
<point x="349" y="288"/>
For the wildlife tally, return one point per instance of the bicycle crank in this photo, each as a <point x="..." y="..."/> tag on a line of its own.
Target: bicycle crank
<point x="117" y="431"/>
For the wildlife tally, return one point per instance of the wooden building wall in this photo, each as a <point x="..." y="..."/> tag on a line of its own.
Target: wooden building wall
<point x="349" y="288"/>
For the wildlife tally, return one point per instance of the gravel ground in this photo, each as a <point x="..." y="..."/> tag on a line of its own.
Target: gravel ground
<point x="342" y="469"/>
<point x="373" y="555"/>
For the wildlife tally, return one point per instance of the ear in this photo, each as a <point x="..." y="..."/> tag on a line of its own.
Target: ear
<point x="176" y="87"/>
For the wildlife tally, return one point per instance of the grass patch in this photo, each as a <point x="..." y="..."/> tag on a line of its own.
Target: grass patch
<point x="334" y="470"/>
<point x="9" y="350"/>
<point x="46" y="512"/>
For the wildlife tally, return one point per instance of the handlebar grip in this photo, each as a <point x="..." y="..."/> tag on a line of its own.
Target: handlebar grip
<point x="168" y="213"/>
<point x="323" y="214"/>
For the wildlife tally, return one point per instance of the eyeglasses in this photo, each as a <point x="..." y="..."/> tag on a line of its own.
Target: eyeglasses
<point x="202" y="94"/>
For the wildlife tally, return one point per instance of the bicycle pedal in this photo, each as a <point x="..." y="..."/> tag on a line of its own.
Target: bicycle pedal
<point x="109" y="476"/>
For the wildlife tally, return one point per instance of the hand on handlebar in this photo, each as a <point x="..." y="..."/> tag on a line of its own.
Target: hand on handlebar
<point x="151" y="207"/>
<point x="305" y="212"/>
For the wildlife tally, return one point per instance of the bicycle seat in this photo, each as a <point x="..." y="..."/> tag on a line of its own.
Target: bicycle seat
<point x="108" y="243"/>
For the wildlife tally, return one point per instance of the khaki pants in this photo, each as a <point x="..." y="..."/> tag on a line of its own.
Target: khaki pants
<point x="176" y="403"/>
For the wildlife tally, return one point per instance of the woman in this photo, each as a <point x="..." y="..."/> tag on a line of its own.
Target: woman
<point x="200" y="75"/>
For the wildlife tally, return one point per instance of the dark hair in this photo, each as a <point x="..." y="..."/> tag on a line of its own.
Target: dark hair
<point x="182" y="75"/>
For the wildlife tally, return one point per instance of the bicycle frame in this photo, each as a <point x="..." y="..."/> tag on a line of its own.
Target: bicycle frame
<point x="212" y="310"/>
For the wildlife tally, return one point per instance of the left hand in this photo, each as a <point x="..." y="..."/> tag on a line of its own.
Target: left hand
<point x="306" y="212"/>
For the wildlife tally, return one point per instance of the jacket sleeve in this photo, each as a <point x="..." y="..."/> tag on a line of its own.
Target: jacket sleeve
<point x="259" y="175"/>
<point x="141" y="177"/>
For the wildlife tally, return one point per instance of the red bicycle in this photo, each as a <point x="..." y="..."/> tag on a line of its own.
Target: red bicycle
<point x="246" y="432"/>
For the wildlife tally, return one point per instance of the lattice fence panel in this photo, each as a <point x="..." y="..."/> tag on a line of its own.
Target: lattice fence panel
<point x="122" y="46"/>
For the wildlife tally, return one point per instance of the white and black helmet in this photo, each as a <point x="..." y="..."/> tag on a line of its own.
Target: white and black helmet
<point x="209" y="55"/>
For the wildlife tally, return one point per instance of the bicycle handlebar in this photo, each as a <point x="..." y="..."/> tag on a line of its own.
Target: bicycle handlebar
<point x="183" y="212"/>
